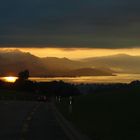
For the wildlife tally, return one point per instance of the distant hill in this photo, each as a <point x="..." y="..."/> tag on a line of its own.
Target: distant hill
<point x="12" y="62"/>
<point x="119" y="63"/>
<point x="60" y="64"/>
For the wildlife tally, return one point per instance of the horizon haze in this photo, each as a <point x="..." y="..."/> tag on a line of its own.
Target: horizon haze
<point x="11" y="60"/>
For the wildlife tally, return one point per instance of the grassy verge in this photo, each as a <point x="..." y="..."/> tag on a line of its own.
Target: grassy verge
<point x="7" y="94"/>
<point x="15" y="95"/>
<point x="112" y="115"/>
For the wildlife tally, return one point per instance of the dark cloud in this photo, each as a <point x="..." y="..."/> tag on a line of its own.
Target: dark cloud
<point x="66" y="23"/>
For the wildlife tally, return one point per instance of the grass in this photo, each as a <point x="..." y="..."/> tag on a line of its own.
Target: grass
<point x="7" y="94"/>
<point x="110" y="115"/>
<point x="15" y="95"/>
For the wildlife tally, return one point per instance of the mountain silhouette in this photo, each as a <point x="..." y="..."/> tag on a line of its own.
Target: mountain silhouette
<point x="11" y="62"/>
<point x="120" y="63"/>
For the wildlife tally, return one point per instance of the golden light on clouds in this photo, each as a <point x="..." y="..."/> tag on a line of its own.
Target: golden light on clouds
<point x="76" y="53"/>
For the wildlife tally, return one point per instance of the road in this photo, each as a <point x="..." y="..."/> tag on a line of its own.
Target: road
<point x="22" y="120"/>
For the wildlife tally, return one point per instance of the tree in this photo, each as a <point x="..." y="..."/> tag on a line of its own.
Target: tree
<point x="23" y="75"/>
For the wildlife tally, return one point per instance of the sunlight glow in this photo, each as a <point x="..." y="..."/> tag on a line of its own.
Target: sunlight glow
<point x="10" y="79"/>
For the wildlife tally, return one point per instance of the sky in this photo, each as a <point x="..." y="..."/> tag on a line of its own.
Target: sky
<point x="74" y="53"/>
<point x="100" y="24"/>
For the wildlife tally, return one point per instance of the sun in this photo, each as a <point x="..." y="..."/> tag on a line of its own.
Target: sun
<point x="10" y="79"/>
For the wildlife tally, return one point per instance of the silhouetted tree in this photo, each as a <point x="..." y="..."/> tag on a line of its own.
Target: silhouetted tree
<point x="23" y="75"/>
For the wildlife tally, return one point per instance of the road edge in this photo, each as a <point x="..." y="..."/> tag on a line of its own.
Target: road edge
<point x="67" y="127"/>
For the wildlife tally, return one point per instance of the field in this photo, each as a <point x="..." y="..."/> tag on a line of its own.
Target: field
<point x="16" y="95"/>
<point x="106" y="115"/>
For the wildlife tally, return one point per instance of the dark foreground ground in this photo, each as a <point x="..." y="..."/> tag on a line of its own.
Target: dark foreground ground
<point x="23" y="120"/>
<point x="106" y="115"/>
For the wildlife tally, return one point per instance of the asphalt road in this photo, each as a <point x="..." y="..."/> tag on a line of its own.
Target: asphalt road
<point x="21" y="120"/>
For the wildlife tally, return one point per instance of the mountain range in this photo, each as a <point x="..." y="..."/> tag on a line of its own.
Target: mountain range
<point x="12" y="62"/>
<point x="120" y="63"/>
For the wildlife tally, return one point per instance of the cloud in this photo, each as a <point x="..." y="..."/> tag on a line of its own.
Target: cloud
<point x="65" y="23"/>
